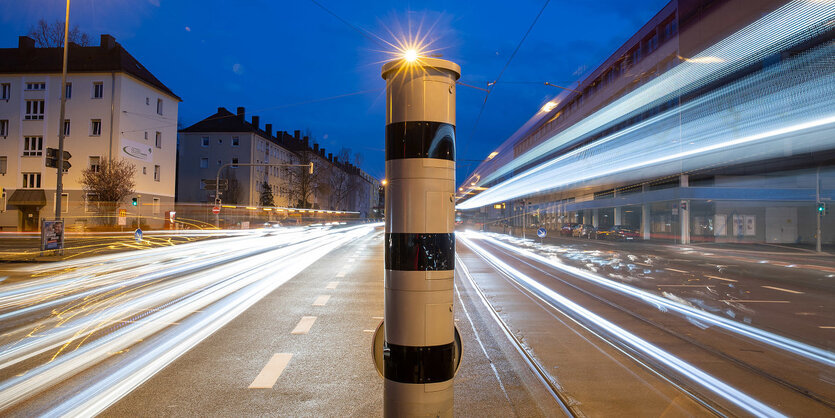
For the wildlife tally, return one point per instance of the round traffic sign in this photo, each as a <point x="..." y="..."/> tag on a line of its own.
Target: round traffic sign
<point x="216" y="210"/>
<point x="541" y="232"/>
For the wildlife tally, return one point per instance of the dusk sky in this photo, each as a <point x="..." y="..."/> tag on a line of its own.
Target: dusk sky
<point x="299" y="67"/>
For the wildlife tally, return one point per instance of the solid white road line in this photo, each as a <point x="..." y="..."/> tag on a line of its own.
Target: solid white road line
<point x="332" y="285"/>
<point x="782" y="290"/>
<point x="304" y="325"/>
<point x="322" y="300"/>
<point x="753" y="301"/>
<point x="721" y="278"/>
<point x="271" y="372"/>
<point x="685" y="285"/>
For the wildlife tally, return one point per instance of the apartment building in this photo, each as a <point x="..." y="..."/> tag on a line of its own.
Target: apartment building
<point x="115" y="109"/>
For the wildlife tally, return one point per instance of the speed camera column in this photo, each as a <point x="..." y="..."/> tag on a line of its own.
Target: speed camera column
<point x="420" y="353"/>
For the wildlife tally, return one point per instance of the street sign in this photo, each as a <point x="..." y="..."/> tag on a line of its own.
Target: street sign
<point x="211" y="184"/>
<point x="52" y="234"/>
<point x="123" y="217"/>
<point x="541" y="232"/>
<point x="137" y="235"/>
<point x="216" y="210"/>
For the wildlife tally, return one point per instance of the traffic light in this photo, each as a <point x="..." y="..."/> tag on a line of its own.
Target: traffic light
<point x="822" y="209"/>
<point x="52" y="158"/>
<point x="134" y="201"/>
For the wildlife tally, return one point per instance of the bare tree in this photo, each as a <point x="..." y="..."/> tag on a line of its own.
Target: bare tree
<point x="341" y="181"/>
<point x="107" y="184"/>
<point x="303" y="186"/>
<point x="51" y="35"/>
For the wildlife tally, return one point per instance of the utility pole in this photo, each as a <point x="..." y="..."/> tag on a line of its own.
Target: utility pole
<point x="420" y="350"/>
<point x="817" y="209"/>
<point x="59" y="187"/>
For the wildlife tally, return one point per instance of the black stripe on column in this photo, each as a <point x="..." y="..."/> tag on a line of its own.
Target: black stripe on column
<point x="420" y="140"/>
<point x="417" y="365"/>
<point x="420" y="252"/>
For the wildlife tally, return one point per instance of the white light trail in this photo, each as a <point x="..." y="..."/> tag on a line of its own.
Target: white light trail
<point x="199" y="301"/>
<point x="691" y="372"/>
<point x="710" y="126"/>
<point x="824" y="357"/>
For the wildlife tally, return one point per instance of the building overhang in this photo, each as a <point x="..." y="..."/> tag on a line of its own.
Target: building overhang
<point x="27" y="197"/>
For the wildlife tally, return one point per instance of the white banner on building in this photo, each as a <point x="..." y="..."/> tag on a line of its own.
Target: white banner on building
<point x="136" y="150"/>
<point x="720" y="225"/>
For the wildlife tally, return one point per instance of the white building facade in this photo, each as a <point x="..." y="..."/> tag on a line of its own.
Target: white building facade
<point x="115" y="109"/>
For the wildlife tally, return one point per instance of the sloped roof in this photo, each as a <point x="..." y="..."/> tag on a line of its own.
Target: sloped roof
<point x="80" y="59"/>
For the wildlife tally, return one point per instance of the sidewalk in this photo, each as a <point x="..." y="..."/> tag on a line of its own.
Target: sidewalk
<point x="310" y="341"/>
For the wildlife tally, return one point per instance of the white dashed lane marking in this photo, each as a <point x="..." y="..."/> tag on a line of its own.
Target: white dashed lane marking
<point x="271" y="372"/>
<point x="321" y="300"/>
<point x="676" y="270"/>
<point x="754" y="301"/>
<point x="304" y="325"/>
<point x="721" y="278"/>
<point x="332" y="285"/>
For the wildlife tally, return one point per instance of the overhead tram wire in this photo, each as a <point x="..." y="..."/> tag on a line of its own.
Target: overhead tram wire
<point x="370" y="36"/>
<point x="507" y="64"/>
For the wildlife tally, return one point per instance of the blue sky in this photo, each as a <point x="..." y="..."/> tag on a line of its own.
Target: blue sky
<point x="299" y="67"/>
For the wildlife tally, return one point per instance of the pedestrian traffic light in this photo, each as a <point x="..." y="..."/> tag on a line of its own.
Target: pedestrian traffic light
<point x="134" y="201"/>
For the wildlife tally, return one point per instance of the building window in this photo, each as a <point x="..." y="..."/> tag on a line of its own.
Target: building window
<point x="68" y="91"/>
<point x="156" y="173"/>
<point x="34" y="109"/>
<point x="5" y="91"/>
<point x="32" y="146"/>
<point x="95" y="164"/>
<point x="3" y="164"/>
<point x="158" y="140"/>
<point x="4" y="128"/>
<point x="35" y="86"/>
<point x="156" y="206"/>
<point x="220" y="141"/>
<point x="159" y="106"/>
<point x="31" y="180"/>
<point x="95" y="127"/>
<point x="204" y="163"/>
<point x="147" y="101"/>
<point x="219" y="163"/>
<point x="234" y="163"/>
<point x="204" y="141"/>
<point x="66" y="127"/>
<point x="98" y="90"/>
<point x="145" y="170"/>
<point x="146" y="135"/>
<point x="236" y="141"/>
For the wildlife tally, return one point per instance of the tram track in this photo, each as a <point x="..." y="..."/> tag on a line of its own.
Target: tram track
<point x="708" y="348"/>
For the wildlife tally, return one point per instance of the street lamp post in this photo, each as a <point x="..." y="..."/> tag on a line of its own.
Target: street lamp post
<point x="59" y="187"/>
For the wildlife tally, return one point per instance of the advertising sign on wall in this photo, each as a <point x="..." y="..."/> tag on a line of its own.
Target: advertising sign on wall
<point x="136" y="150"/>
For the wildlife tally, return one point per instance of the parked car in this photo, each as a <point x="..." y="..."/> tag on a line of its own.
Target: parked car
<point x="618" y="233"/>
<point x="585" y="231"/>
<point x="567" y="229"/>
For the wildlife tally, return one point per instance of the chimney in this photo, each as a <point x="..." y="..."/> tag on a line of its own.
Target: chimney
<point x="296" y="134"/>
<point x="241" y="112"/>
<point x="306" y="141"/>
<point x="269" y="128"/>
<point x="322" y="152"/>
<point x="315" y="147"/>
<point x="330" y="157"/>
<point x="256" y="120"/>
<point x="25" y="42"/>
<point x="107" y="42"/>
<point x="221" y="109"/>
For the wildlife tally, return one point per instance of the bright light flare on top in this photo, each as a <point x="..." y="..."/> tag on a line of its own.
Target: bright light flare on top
<point x="410" y="55"/>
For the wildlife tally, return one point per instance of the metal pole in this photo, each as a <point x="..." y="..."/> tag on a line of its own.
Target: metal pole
<point x="421" y="349"/>
<point x="59" y="186"/>
<point x="817" y="202"/>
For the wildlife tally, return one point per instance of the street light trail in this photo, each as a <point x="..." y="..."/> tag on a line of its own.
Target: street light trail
<point x="682" y="367"/>
<point x="824" y="357"/>
<point x="199" y="301"/>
